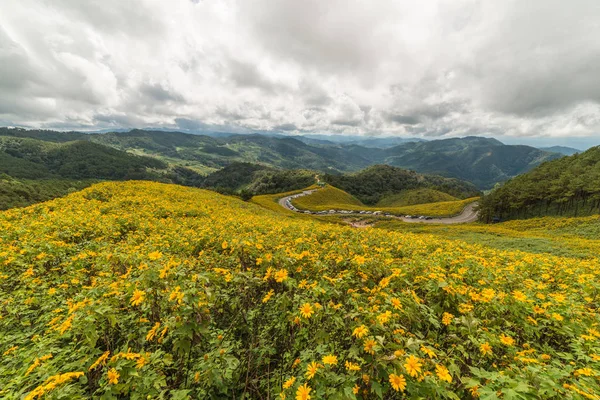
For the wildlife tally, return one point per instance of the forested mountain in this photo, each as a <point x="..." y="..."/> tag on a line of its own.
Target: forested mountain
<point x="31" y="158"/>
<point x="33" y="170"/>
<point x="376" y="182"/>
<point x="567" y="151"/>
<point x="479" y="160"/>
<point x="567" y="186"/>
<point x="251" y="179"/>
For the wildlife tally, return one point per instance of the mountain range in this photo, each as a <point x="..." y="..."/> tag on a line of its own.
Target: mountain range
<point x="482" y="161"/>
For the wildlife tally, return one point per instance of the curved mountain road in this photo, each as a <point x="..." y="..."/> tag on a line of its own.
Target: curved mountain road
<point x="468" y="214"/>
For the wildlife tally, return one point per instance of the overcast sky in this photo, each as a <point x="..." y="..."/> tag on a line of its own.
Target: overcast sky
<point x="513" y="69"/>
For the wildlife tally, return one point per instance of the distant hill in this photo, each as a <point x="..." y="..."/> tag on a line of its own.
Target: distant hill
<point x="31" y="158"/>
<point x="256" y="179"/>
<point x="364" y="141"/>
<point x="380" y="181"/>
<point x="567" y="151"/>
<point x="568" y="186"/>
<point x="481" y="161"/>
<point x="33" y="170"/>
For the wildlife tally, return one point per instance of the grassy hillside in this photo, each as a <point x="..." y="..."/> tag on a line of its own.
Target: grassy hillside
<point x="324" y="199"/>
<point x="377" y="182"/>
<point x="24" y="192"/>
<point x="571" y="237"/>
<point x="415" y="196"/>
<point x="333" y="198"/>
<point x="137" y="289"/>
<point x="568" y="186"/>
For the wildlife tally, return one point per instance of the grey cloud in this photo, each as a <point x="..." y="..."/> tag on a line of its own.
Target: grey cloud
<point x="113" y="16"/>
<point x="118" y="120"/>
<point x="247" y="75"/>
<point x="504" y="69"/>
<point x="159" y="93"/>
<point x="285" y="127"/>
<point x="190" y="124"/>
<point x="404" y="119"/>
<point x="542" y="59"/>
<point x="346" y="122"/>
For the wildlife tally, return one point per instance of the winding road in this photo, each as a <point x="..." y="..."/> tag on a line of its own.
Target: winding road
<point x="468" y="214"/>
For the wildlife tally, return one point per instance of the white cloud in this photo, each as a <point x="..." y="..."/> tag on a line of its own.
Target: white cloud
<point x="429" y="67"/>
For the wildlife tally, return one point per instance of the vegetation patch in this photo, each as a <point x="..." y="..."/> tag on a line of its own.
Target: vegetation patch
<point x="415" y="196"/>
<point x="569" y="186"/>
<point x="173" y="292"/>
<point x="331" y="198"/>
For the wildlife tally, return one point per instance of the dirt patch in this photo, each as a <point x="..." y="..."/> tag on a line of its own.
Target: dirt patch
<point x="358" y="223"/>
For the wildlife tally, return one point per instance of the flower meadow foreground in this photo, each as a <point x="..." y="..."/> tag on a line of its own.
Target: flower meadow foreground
<point x="144" y="290"/>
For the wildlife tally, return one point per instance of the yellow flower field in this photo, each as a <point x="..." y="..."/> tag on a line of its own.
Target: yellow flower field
<point x="137" y="289"/>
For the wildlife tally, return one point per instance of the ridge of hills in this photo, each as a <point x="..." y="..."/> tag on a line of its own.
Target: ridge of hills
<point x="482" y="161"/>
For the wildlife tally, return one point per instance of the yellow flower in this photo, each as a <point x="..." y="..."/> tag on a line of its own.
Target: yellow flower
<point x="303" y="392"/>
<point x="399" y="353"/>
<point x="137" y="298"/>
<point x="355" y="389"/>
<point x="485" y="349"/>
<point x="360" y="331"/>
<point x="7" y="352"/>
<point x="384" y="317"/>
<point x="155" y="255"/>
<point x="311" y="370"/>
<point x="52" y="383"/>
<point x="281" y="275"/>
<point x="350" y="366"/>
<point x="519" y="296"/>
<point x="306" y="310"/>
<point x="557" y="317"/>
<point x="428" y="351"/>
<point x="369" y="346"/>
<point x="507" y="340"/>
<point x="585" y="371"/>
<point x="288" y="384"/>
<point x="113" y="376"/>
<point x="268" y="296"/>
<point x="396" y="303"/>
<point x="224" y="245"/>
<point x="538" y="310"/>
<point x="447" y="318"/>
<point x="100" y="360"/>
<point x="37" y="362"/>
<point x="398" y="382"/>
<point x="360" y="260"/>
<point x="152" y="332"/>
<point x="330" y="360"/>
<point x="443" y="373"/>
<point x="413" y="366"/>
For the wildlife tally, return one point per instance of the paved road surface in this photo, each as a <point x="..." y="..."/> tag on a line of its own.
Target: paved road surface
<point x="467" y="215"/>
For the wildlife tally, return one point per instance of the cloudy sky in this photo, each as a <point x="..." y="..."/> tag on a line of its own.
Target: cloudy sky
<point x="515" y="70"/>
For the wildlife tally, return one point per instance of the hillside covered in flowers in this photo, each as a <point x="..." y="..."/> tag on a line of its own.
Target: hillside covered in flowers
<point x="147" y="290"/>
